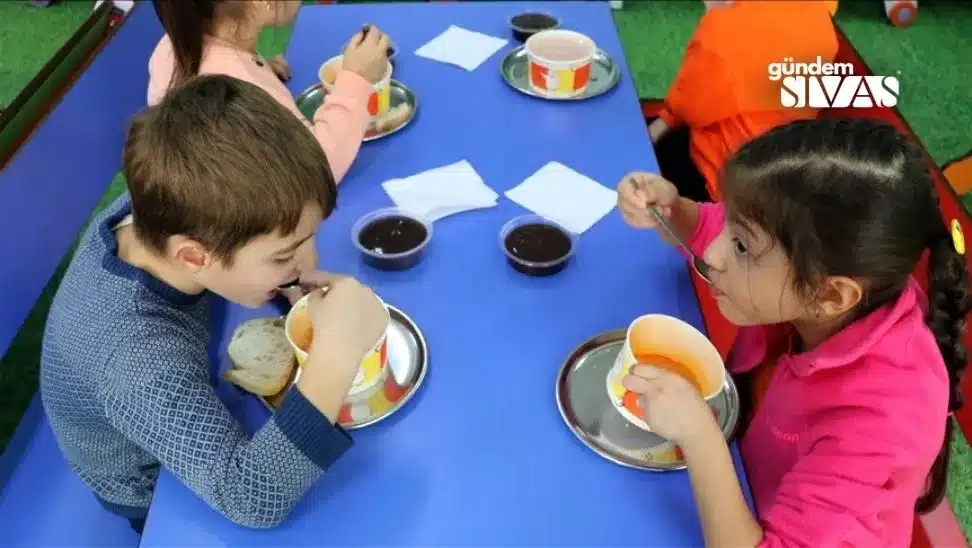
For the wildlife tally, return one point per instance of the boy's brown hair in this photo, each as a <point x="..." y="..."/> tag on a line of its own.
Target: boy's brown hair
<point x="221" y="162"/>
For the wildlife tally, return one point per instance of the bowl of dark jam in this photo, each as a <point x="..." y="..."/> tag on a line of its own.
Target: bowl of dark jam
<point x="391" y="238"/>
<point x="536" y="246"/>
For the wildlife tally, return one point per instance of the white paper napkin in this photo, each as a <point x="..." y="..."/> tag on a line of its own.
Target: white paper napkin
<point x="564" y="196"/>
<point x="442" y="191"/>
<point x="464" y="48"/>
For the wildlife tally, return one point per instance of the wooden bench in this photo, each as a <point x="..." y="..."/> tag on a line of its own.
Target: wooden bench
<point x="938" y="528"/>
<point x="48" y="190"/>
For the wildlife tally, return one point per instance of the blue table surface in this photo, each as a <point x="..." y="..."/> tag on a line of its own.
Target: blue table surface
<point x="480" y="455"/>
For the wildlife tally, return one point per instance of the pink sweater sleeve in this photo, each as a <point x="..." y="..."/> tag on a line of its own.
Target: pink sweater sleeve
<point x="712" y="217"/>
<point x="160" y="68"/>
<point x="340" y="123"/>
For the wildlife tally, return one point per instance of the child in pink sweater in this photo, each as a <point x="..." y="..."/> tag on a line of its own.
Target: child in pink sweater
<point x="220" y="36"/>
<point x="811" y="253"/>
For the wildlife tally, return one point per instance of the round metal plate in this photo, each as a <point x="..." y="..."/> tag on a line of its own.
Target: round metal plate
<point x="604" y="75"/>
<point x="309" y="100"/>
<point x="591" y="415"/>
<point x="408" y="358"/>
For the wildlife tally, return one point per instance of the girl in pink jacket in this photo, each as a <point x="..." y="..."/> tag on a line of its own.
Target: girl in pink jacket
<point x="220" y="37"/>
<point x="811" y="253"/>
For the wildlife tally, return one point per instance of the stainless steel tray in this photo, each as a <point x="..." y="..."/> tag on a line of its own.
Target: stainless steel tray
<point x="591" y="415"/>
<point x="605" y="74"/>
<point x="309" y="100"/>
<point x="408" y="359"/>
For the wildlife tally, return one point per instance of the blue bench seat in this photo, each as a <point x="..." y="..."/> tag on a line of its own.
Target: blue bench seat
<point x="43" y="502"/>
<point x="47" y="192"/>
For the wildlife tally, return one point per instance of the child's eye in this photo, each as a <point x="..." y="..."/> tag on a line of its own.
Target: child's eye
<point x="739" y="247"/>
<point x="283" y="260"/>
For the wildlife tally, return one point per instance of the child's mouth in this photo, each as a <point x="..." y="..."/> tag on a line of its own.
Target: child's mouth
<point x="289" y="284"/>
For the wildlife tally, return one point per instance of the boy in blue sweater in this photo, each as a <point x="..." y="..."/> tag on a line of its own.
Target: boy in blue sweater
<point x="226" y="191"/>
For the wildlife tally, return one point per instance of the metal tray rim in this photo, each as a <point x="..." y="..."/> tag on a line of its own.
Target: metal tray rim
<point x="423" y="368"/>
<point x="615" y="78"/>
<point x="395" y="83"/>
<point x="612" y="337"/>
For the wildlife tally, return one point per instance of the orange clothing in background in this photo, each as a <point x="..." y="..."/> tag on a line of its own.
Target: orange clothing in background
<point x="722" y="91"/>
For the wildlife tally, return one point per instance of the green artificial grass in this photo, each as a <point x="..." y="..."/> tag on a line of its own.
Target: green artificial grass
<point x="30" y="37"/>
<point x="930" y="59"/>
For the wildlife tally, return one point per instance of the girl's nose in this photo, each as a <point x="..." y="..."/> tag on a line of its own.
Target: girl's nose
<point x="717" y="254"/>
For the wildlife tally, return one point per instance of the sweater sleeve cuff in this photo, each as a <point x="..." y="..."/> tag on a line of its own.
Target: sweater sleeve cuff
<point x="310" y="431"/>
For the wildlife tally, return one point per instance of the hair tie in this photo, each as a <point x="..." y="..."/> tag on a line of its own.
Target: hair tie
<point x="958" y="238"/>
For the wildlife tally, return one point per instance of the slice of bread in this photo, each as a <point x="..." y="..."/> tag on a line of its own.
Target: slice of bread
<point x="394" y="118"/>
<point x="263" y="361"/>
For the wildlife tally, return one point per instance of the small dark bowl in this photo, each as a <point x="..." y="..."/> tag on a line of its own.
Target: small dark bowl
<point x="527" y="24"/>
<point x="392" y="238"/>
<point x="535" y="246"/>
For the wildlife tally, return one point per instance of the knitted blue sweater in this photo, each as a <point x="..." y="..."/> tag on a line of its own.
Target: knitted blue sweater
<point x="125" y="381"/>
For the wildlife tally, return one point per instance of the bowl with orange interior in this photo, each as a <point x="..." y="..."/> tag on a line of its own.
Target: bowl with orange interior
<point x="670" y="344"/>
<point x="372" y="373"/>
<point x="379" y="102"/>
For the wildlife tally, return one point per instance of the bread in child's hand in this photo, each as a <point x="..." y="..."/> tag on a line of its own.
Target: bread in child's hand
<point x="263" y="360"/>
<point x="393" y="118"/>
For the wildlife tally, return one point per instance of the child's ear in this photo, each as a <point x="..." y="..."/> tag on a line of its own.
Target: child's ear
<point x="839" y="294"/>
<point x="189" y="253"/>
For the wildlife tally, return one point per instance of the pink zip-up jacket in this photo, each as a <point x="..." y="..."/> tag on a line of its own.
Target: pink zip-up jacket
<point x="339" y="124"/>
<point x="838" y="451"/>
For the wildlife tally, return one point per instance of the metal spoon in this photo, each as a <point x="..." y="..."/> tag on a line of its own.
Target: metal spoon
<point x="292" y="283"/>
<point x="701" y="267"/>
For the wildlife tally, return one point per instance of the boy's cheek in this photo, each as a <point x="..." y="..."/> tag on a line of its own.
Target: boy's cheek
<point x="308" y="258"/>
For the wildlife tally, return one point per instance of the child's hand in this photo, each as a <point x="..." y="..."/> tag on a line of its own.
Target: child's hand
<point x="347" y="320"/>
<point x="657" y="129"/>
<point x="639" y="191"/>
<point x="367" y="54"/>
<point x="280" y="67"/>
<point x="673" y="408"/>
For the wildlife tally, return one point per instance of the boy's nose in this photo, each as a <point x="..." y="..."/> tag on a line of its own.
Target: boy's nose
<point x="307" y="261"/>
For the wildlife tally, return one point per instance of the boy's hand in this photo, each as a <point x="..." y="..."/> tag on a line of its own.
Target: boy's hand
<point x="280" y="67"/>
<point x="367" y="54"/>
<point x="348" y="319"/>
<point x="639" y="191"/>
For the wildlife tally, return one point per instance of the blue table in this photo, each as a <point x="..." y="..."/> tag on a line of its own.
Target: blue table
<point x="480" y="456"/>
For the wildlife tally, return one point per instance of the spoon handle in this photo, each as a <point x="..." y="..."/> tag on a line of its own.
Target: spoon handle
<point x="661" y="220"/>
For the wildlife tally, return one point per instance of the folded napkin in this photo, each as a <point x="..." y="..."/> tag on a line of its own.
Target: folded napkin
<point x="564" y="196"/>
<point x="442" y="191"/>
<point x="464" y="48"/>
